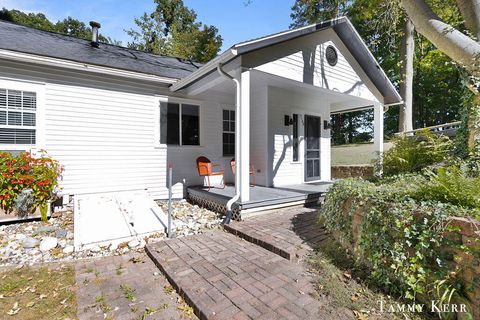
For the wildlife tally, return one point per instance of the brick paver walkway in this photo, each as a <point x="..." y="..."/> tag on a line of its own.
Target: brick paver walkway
<point x="290" y="233"/>
<point x="225" y="277"/>
<point x="126" y="287"/>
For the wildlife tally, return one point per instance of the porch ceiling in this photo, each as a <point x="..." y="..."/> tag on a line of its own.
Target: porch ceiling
<point x="338" y="101"/>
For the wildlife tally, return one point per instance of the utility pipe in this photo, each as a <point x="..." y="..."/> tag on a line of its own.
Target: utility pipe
<point x="228" y="214"/>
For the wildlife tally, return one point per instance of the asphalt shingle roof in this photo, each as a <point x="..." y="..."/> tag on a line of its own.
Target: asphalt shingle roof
<point x="29" y="40"/>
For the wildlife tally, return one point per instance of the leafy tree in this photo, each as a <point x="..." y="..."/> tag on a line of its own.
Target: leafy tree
<point x="33" y="20"/>
<point x="172" y="29"/>
<point x="68" y="26"/>
<point x="438" y="94"/>
<point x="462" y="46"/>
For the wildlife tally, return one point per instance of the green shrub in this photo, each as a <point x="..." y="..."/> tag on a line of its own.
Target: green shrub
<point x="23" y="171"/>
<point x="451" y="185"/>
<point x="414" y="153"/>
<point x="401" y="239"/>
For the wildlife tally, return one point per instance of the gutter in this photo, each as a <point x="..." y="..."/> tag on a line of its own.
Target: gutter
<point x="55" y="62"/>
<point x="206" y="69"/>
<point x="228" y="214"/>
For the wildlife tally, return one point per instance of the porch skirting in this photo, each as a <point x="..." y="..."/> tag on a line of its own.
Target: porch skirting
<point x="261" y="198"/>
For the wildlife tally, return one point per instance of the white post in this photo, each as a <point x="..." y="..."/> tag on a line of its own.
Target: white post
<point x="244" y="150"/>
<point x="378" y="135"/>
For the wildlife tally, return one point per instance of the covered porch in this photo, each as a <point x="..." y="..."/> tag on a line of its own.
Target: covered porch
<point x="284" y="88"/>
<point x="261" y="198"/>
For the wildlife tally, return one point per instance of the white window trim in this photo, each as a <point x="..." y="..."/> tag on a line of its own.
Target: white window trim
<point x="180" y="101"/>
<point x="301" y="136"/>
<point x="229" y="108"/>
<point x="39" y="89"/>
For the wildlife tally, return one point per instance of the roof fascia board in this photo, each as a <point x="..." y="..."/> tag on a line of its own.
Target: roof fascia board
<point x="67" y="64"/>
<point x="205" y="69"/>
<point x="277" y="38"/>
<point x="352" y="29"/>
<point x="213" y="78"/>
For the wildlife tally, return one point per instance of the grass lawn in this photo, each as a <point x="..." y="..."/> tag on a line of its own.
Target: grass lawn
<point x="38" y="293"/>
<point x="343" y="286"/>
<point x="361" y="153"/>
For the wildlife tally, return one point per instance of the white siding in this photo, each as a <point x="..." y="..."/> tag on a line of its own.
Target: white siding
<point x="103" y="129"/>
<point x="258" y="132"/>
<point x="284" y="170"/>
<point x="316" y="71"/>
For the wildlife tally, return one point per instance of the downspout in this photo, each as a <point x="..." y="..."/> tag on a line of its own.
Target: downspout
<point x="228" y="214"/>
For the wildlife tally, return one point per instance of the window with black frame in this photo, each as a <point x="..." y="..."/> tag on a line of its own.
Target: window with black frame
<point x="228" y="134"/>
<point x="179" y="124"/>
<point x="295" y="137"/>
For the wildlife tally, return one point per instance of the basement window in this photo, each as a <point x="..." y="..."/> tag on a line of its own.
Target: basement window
<point x="17" y="117"/>
<point x="179" y="124"/>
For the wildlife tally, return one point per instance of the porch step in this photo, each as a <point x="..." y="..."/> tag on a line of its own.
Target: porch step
<point x="291" y="233"/>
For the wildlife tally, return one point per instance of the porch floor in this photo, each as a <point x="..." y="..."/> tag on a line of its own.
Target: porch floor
<point x="263" y="197"/>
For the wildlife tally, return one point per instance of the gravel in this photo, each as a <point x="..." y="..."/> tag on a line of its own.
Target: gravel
<point x="29" y="243"/>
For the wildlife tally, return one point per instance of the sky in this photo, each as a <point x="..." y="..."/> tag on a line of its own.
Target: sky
<point x="235" y="20"/>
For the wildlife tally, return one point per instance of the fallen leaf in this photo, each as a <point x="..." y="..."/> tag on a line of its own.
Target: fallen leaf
<point x="30" y="304"/>
<point x="359" y="315"/>
<point x="43" y="296"/>
<point x="354" y="298"/>
<point x="347" y="275"/>
<point x="63" y="301"/>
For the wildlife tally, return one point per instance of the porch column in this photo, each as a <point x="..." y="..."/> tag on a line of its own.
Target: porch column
<point x="378" y="136"/>
<point x="244" y="150"/>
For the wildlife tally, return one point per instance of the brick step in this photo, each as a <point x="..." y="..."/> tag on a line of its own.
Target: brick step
<point x="224" y="277"/>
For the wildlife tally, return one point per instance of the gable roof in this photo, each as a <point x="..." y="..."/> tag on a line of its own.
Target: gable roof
<point x="344" y="30"/>
<point x="54" y="45"/>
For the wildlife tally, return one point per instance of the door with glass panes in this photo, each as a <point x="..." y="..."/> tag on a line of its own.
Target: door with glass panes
<point x="312" y="148"/>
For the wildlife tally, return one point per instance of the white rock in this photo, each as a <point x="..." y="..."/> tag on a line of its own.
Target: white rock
<point x="68" y="249"/>
<point x="62" y="243"/>
<point x="29" y="243"/>
<point x="20" y="236"/>
<point x="113" y="247"/>
<point x="134" y="243"/>
<point x="48" y="243"/>
<point x="95" y="249"/>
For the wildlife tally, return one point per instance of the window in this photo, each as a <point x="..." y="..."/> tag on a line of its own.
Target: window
<point x="295" y="137"/>
<point x="228" y="133"/>
<point x="17" y="116"/>
<point x="179" y="123"/>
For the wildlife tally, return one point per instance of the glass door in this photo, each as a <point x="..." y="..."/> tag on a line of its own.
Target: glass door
<point x="312" y="148"/>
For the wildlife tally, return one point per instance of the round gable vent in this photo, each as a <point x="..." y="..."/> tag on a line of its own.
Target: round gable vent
<point x="331" y="55"/>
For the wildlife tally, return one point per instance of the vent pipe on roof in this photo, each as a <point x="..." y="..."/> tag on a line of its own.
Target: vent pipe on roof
<point x="95" y="26"/>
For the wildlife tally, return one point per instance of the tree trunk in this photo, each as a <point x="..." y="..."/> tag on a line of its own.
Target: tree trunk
<point x="350" y="127"/>
<point x="459" y="47"/>
<point x="407" y="51"/>
<point x="474" y="127"/>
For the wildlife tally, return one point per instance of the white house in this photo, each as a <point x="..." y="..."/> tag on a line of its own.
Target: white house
<point x="116" y="117"/>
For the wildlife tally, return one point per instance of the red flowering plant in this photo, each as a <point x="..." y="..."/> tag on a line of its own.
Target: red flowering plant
<point x="25" y="172"/>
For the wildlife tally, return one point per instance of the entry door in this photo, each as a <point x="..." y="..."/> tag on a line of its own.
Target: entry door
<point x="312" y="146"/>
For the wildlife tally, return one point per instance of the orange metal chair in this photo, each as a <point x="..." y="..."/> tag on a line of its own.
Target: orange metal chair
<point x="252" y="170"/>
<point x="205" y="169"/>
